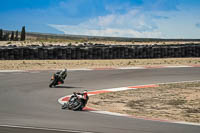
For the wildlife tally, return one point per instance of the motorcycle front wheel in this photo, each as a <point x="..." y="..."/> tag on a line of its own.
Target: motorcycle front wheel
<point x="52" y="83"/>
<point x="78" y="106"/>
<point x="65" y="106"/>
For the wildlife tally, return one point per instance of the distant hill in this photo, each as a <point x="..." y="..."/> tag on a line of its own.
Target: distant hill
<point x="98" y="38"/>
<point x="47" y="36"/>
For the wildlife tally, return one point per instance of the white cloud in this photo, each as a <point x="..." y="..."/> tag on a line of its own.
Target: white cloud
<point x="79" y="30"/>
<point x="134" y="23"/>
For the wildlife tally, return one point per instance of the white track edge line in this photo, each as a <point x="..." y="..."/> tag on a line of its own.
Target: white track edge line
<point x="177" y="82"/>
<point x="126" y="88"/>
<point x="2" y="71"/>
<point x="91" y="69"/>
<point x="126" y="68"/>
<point x="176" y="66"/>
<point x="45" y="129"/>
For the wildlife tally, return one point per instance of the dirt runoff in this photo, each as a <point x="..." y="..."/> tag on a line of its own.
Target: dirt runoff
<point x="75" y="64"/>
<point x="178" y="101"/>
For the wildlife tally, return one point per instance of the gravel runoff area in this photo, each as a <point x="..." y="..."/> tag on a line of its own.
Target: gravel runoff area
<point x="175" y="101"/>
<point x="168" y="101"/>
<point x="75" y="64"/>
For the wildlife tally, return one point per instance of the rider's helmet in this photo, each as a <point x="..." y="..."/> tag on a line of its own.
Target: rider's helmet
<point x="64" y="70"/>
<point x="85" y="92"/>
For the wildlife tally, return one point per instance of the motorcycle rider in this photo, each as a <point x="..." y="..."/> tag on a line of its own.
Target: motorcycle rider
<point x="83" y="96"/>
<point x="62" y="75"/>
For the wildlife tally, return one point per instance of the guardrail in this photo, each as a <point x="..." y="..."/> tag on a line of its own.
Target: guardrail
<point x="99" y="51"/>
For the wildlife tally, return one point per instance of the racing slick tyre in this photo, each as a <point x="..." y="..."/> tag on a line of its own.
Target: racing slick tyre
<point x="65" y="106"/>
<point x="52" y="83"/>
<point x="78" y="106"/>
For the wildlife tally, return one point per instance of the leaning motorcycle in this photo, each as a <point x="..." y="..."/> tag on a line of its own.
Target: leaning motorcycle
<point x="75" y="103"/>
<point x="54" y="80"/>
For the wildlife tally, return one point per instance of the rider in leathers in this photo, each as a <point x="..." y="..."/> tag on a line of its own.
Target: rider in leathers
<point x="83" y="96"/>
<point x="62" y="75"/>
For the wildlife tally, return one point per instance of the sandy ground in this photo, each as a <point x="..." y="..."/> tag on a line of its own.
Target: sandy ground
<point x="180" y="102"/>
<point x="171" y="102"/>
<point x="75" y="64"/>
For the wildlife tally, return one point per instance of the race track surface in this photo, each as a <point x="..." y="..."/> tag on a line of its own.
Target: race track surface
<point x="27" y="102"/>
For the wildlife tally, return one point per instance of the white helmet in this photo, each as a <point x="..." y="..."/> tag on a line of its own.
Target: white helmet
<point x="64" y="70"/>
<point x="85" y="92"/>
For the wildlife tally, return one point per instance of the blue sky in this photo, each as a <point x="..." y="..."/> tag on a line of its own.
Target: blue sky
<point x="120" y="18"/>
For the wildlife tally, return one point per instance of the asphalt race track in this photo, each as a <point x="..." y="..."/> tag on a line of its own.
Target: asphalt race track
<point x="28" y="105"/>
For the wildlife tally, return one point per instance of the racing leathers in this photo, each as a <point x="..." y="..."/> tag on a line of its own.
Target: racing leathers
<point x="62" y="75"/>
<point x="83" y="96"/>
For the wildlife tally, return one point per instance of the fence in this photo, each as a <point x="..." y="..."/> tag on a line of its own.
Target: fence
<point x="99" y="52"/>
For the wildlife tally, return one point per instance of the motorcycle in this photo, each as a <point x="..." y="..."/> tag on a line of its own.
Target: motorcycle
<point x="54" y="80"/>
<point x="75" y="103"/>
<point x="58" y="78"/>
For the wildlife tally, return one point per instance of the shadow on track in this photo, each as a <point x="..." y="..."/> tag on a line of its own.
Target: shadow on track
<point x="69" y="87"/>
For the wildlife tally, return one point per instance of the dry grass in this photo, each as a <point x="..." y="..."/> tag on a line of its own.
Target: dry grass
<point x="72" y="64"/>
<point x="180" y="101"/>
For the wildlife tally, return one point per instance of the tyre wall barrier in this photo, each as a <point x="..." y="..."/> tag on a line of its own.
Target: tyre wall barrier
<point x="99" y="52"/>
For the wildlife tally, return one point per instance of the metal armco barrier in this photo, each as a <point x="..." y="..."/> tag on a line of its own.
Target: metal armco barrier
<point x="99" y="52"/>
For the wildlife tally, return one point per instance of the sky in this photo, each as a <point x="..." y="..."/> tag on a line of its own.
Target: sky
<point x="116" y="18"/>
